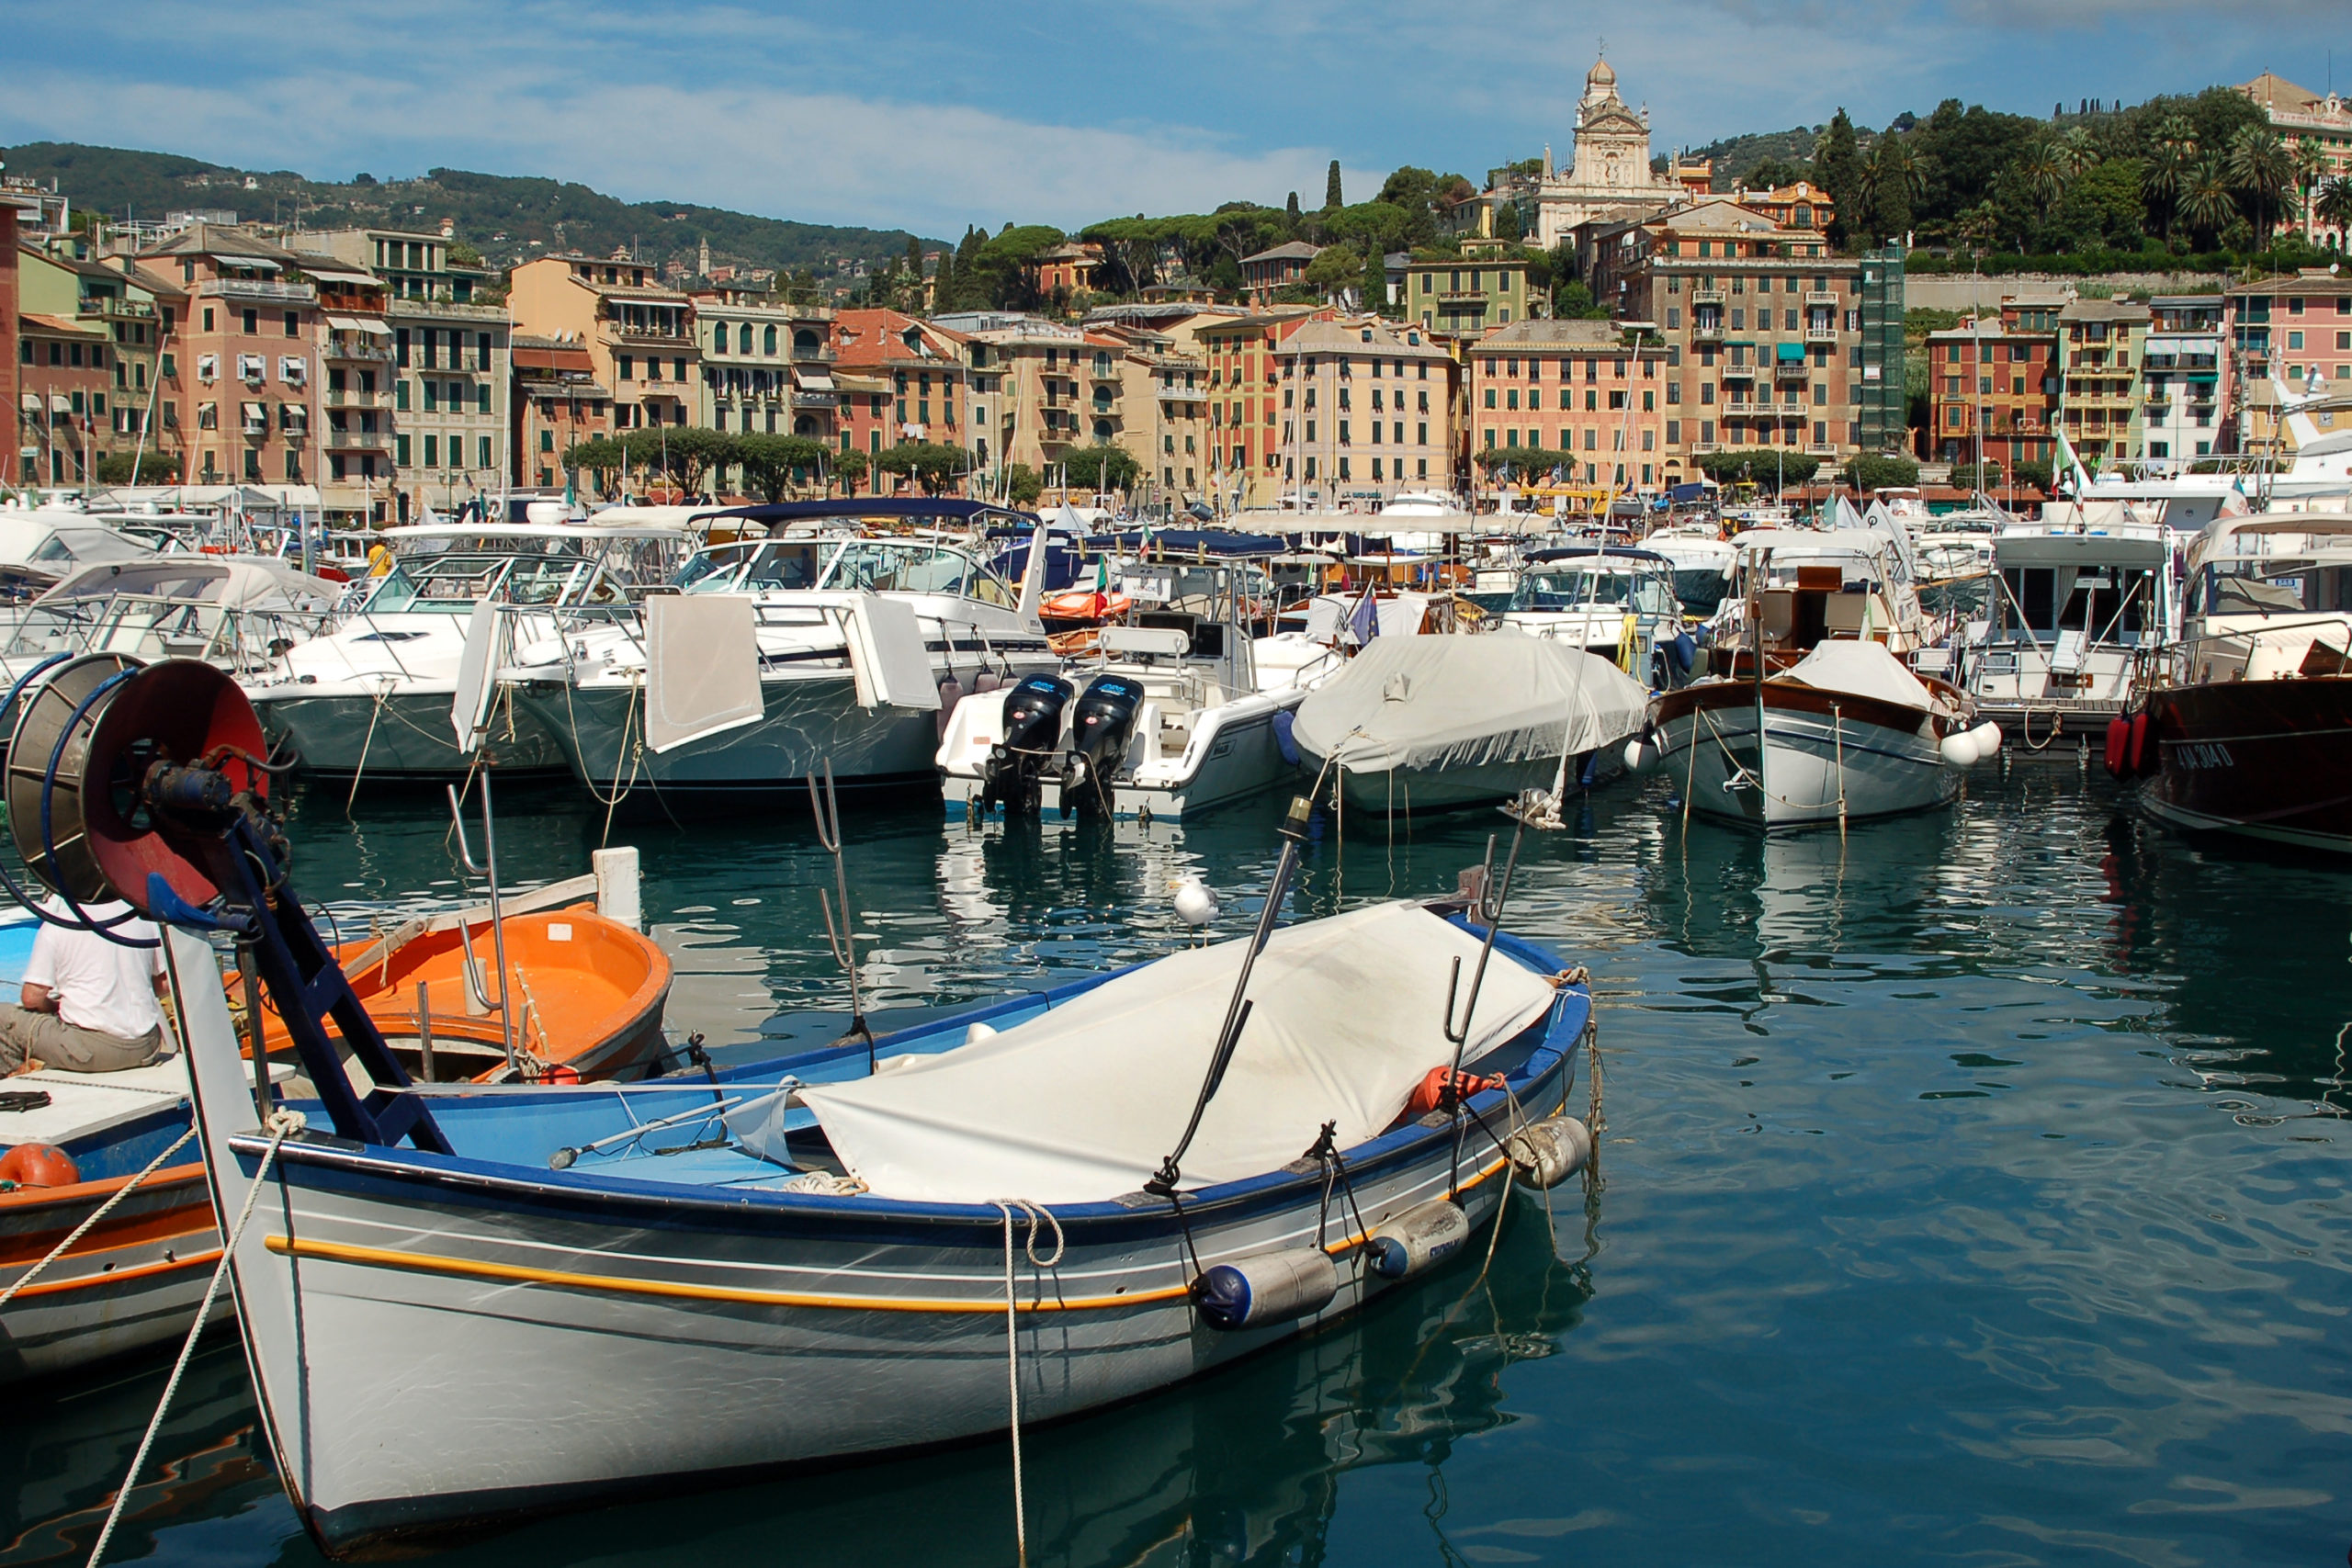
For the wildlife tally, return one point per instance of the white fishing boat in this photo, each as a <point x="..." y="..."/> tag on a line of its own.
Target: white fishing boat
<point x="2077" y="619"/>
<point x="372" y="698"/>
<point x="1165" y="717"/>
<point x="1036" y="1207"/>
<point x="1429" y="723"/>
<point x="1793" y="588"/>
<point x="1846" y="732"/>
<point x="1612" y="601"/>
<point x="780" y="654"/>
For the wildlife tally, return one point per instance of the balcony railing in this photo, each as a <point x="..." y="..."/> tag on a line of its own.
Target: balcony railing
<point x="1701" y="448"/>
<point x="1706" y="296"/>
<point x="1707" y="331"/>
<point x="108" y="305"/>
<point x="1791" y="369"/>
<point x="1815" y="297"/>
<point x="358" y="440"/>
<point x="816" y="399"/>
<point x="1821" y="334"/>
<point x="1739" y="373"/>
<point x="823" y="354"/>
<point x="339" y="398"/>
<point x="257" y="290"/>
<point x="356" y="354"/>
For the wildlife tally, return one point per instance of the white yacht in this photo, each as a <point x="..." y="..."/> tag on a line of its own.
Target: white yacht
<point x="372" y="699"/>
<point x="1612" y="601"/>
<point x="1165" y="718"/>
<point x="237" y="612"/>
<point x="776" y="658"/>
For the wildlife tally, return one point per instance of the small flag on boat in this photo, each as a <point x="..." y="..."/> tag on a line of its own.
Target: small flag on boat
<point x="1365" y="622"/>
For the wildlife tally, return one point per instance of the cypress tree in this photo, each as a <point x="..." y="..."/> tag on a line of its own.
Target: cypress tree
<point x="1837" y="164"/>
<point x="1331" y="202"/>
<point x="943" y="289"/>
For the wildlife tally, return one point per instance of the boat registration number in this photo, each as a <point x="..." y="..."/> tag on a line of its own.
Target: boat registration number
<point x="2201" y="754"/>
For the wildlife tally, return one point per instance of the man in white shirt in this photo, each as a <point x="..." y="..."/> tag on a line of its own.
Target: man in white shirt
<point x="89" y="1004"/>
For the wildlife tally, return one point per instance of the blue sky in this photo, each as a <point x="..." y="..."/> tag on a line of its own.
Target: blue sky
<point x="936" y="115"/>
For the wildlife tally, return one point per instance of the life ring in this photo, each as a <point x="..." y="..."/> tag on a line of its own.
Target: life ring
<point x="39" y="1165"/>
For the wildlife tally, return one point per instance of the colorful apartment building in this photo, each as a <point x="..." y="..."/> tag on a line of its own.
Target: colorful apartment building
<point x="1586" y="388"/>
<point x="1764" y="332"/>
<point x="1469" y="294"/>
<point x="125" y="310"/>
<point x="640" y="337"/>
<point x="1061" y="271"/>
<point x="361" y="483"/>
<point x="2184" y="376"/>
<point x="63" y="371"/>
<point x="1992" y="388"/>
<point x="1244" y="396"/>
<point x="1365" y="405"/>
<point x="1268" y="273"/>
<point x="557" y="404"/>
<point x="901" y="378"/>
<point x="246" y="390"/>
<point x="767" y="365"/>
<point x="1038" y="387"/>
<point x="2296" y="330"/>
<point x="2322" y="122"/>
<point x="2101" y="341"/>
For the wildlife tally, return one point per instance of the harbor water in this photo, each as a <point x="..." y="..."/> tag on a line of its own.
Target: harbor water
<point x="1972" y="1190"/>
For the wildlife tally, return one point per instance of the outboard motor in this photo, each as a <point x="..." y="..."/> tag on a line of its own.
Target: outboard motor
<point x="1100" y="727"/>
<point x="1032" y="733"/>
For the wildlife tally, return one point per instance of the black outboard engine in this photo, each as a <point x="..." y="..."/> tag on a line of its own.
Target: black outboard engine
<point x="1100" y="727"/>
<point x="1032" y="733"/>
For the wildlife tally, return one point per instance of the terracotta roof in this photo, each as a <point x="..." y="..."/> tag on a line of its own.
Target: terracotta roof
<point x="1296" y="250"/>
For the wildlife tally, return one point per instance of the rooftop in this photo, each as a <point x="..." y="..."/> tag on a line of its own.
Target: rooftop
<point x="1565" y="334"/>
<point x="1296" y="250"/>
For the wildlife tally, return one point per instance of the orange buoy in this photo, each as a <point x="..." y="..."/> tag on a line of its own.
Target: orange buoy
<point x="39" y="1164"/>
<point x="1429" y="1093"/>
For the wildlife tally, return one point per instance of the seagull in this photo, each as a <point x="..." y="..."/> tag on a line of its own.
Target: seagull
<point x="1197" y="902"/>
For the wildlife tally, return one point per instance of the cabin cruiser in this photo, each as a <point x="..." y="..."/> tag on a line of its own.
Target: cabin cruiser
<point x="2075" y="618"/>
<point x="236" y="612"/>
<point x="373" y="698"/>
<point x="2248" y="728"/>
<point x="1813" y="714"/>
<point x="1612" y="601"/>
<point x="779" y="658"/>
<point x="1164" y="718"/>
<point x="41" y="546"/>
<point x="1702" y="559"/>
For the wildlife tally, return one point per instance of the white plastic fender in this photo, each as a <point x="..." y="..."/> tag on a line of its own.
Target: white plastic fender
<point x="1549" y="1152"/>
<point x="1988" y="739"/>
<point x="1273" y="1287"/>
<point x="1960" y="749"/>
<point x="1418" y="1239"/>
<point x="1640" y="755"/>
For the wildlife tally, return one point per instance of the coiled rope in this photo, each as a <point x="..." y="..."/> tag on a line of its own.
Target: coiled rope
<point x="1039" y="1214"/>
<point x="60" y="1250"/>
<point x="281" y="1125"/>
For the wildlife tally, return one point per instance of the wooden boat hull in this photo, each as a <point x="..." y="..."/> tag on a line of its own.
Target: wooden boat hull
<point x="2263" y="759"/>
<point x="1820" y="748"/>
<point x="576" y="1318"/>
<point x="589" y="996"/>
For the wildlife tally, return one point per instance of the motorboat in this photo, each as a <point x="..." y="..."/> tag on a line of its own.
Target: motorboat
<point x="40" y="545"/>
<point x="2077" y="619"/>
<point x="779" y="655"/>
<point x="373" y="698"/>
<point x="1432" y="723"/>
<point x="1957" y="547"/>
<point x="2248" y="728"/>
<point x="237" y="612"/>
<point x="1793" y="588"/>
<point x="1164" y="718"/>
<point x="1845" y="732"/>
<point x="1009" y="1214"/>
<point x="1702" y="559"/>
<point x="1614" y="600"/>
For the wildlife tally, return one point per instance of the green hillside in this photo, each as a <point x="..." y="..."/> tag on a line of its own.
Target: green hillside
<point x="508" y="218"/>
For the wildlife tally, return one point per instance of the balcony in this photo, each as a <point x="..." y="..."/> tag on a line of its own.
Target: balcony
<point x="356" y="440"/>
<point x="356" y="353"/>
<point x="1706" y="331"/>
<point x="823" y="355"/>
<point x="337" y="398"/>
<point x="1815" y="296"/>
<point x="648" y="337"/>
<point x="1791" y="369"/>
<point x="816" y="399"/>
<point x="1821" y="334"/>
<point x="1700" y="297"/>
<point x="1821" y="449"/>
<point x="252" y="291"/>
<point x="1105" y="371"/>
<point x="1739" y="373"/>
<point x="1701" y="448"/>
<point x="107" y="305"/>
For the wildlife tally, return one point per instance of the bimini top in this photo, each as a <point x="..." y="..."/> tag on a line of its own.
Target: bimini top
<point x="1609" y="553"/>
<point x="936" y="508"/>
<point x="1081" y="1104"/>
<point x="1197" y="541"/>
<point x="235" y="582"/>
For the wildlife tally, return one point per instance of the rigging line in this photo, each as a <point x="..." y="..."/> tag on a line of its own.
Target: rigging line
<point x="281" y="1123"/>
<point x="96" y="1215"/>
<point x="1035" y="1213"/>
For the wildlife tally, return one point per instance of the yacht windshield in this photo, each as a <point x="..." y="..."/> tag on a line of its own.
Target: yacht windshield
<point x="750" y="567"/>
<point x="896" y="566"/>
<point x="1561" y="587"/>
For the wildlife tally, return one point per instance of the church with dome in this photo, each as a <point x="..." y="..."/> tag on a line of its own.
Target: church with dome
<point x="1609" y="170"/>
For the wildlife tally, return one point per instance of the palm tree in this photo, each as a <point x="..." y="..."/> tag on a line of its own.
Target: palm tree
<point x="2334" y="207"/>
<point x="2043" y="180"/>
<point x="2169" y="164"/>
<point x="2207" y="202"/>
<point x="2075" y="151"/>
<point x="1892" y="179"/>
<point x="2261" y="171"/>
<point x="2311" y="169"/>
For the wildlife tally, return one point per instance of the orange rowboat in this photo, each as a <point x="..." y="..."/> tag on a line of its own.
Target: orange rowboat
<point x="587" y="995"/>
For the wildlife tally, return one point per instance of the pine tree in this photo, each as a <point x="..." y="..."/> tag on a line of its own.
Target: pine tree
<point x="1292" y="210"/>
<point x="943" y="290"/>
<point x="1837" y="164"/>
<point x="1331" y="201"/>
<point x="970" y="286"/>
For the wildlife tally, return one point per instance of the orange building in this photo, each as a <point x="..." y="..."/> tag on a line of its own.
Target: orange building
<point x="1993" y="382"/>
<point x="641" y="338"/>
<point x="247" y="396"/>
<point x="1244" y="378"/>
<point x="901" y="378"/>
<point x="1270" y="271"/>
<point x="557" y="403"/>
<point x="1574" y="387"/>
<point x="62" y="370"/>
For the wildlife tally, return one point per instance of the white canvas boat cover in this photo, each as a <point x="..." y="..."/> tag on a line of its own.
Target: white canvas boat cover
<point x="1459" y="702"/>
<point x="703" y="674"/>
<point x="1861" y="670"/>
<point x="1081" y="1104"/>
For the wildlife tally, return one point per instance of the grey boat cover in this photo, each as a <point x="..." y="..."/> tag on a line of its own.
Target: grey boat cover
<point x="1082" y="1104"/>
<point x="1429" y="703"/>
<point x="1862" y="670"/>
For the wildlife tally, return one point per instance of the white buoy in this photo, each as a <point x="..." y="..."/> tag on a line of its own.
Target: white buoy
<point x="1987" y="737"/>
<point x="1197" y="902"/>
<point x="1959" y="748"/>
<point x="1640" y="756"/>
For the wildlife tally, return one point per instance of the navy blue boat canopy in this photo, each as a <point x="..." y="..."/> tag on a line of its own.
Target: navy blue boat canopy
<point x="941" y="508"/>
<point x="1614" y="552"/>
<point x="1214" y="541"/>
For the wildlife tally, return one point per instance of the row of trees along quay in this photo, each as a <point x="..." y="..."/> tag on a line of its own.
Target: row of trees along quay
<point x="681" y="458"/>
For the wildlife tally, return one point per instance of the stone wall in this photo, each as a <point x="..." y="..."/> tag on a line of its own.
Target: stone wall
<point x="1960" y="291"/>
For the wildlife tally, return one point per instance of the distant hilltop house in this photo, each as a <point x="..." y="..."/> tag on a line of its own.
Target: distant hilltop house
<point x="1269" y="272"/>
<point x="2302" y="119"/>
<point x="1070" y="268"/>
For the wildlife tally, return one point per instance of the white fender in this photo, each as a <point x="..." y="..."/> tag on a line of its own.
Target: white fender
<point x="1988" y="739"/>
<point x="1960" y="749"/>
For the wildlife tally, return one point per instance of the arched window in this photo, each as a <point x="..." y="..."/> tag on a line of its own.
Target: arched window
<point x="804" y="425"/>
<point x="1101" y="430"/>
<point x="769" y="340"/>
<point x="718" y="338"/>
<point x="804" y="342"/>
<point x="743" y="339"/>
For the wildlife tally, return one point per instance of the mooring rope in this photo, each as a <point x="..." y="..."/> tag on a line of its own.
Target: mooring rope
<point x="1037" y="1214"/>
<point x="281" y="1123"/>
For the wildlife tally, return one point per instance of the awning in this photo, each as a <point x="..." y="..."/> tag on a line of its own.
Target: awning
<point x="1789" y="351"/>
<point x="812" y="380"/>
<point x="356" y="280"/>
<point x="357" y="324"/>
<point x="59" y="403"/>
<point x="256" y="413"/>
<point x="31" y="403"/>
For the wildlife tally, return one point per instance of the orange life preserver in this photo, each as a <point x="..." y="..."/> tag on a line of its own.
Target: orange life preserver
<point x="39" y="1164"/>
<point x="1085" y="604"/>
<point x="1429" y="1093"/>
<point x="2119" y="740"/>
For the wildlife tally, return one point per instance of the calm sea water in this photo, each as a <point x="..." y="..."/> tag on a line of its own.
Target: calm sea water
<point x="1974" y="1190"/>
